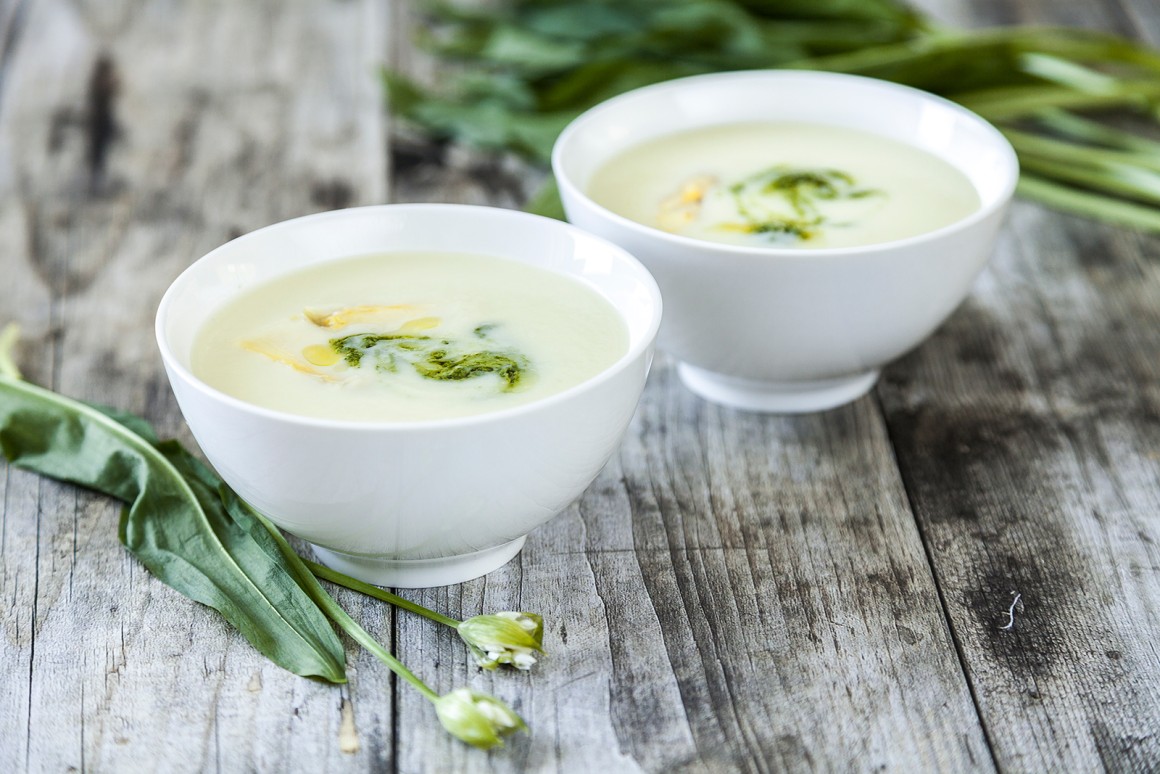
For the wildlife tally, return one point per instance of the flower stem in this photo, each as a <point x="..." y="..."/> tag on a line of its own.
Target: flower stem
<point x="378" y="593"/>
<point x="362" y="637"/>
<point x="8" y="336"/>
<point x="335" y="613"/>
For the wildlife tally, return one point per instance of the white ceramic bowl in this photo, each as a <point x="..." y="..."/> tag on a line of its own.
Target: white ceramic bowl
<point x="789" y="330"/>
<point x="412" y="504"/>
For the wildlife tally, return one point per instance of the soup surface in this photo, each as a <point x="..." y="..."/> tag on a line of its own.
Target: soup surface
<point x="781" y="185"/>
<point x="408" y="337"/>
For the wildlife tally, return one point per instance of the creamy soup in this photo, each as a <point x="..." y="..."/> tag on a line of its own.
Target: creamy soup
<point x="407" y="337"/>
<point x="782" y="185"/>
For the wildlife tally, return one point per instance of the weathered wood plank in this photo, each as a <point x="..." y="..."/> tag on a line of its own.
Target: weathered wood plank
<point x="1027" y="432"/>
<point x="735" y="592"/>
<point x="134" y="136"/>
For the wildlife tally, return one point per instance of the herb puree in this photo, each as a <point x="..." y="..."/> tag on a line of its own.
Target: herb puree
<point x="408" y="337"/>
<point x="781" y="185"/>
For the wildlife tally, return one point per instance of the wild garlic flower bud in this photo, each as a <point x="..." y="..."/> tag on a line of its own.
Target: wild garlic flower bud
<point x="504" y="638"/>
<point x="477" y="718"/>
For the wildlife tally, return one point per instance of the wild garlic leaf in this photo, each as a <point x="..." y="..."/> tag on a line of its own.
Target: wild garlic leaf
<point x="133" y="422"/>
<point x="175" y="522"/>
<point x="1092" y="205"/>
<point x="546" y="201"/>
<point x="529" y="66"/>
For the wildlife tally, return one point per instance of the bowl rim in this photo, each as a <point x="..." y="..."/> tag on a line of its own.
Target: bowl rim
<point x="985" y="211"/>
<point x="634" y="352"/>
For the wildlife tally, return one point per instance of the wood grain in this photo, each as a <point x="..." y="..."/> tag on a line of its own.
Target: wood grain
<point x="734" y="593"/>
<point x="136" y="136"/>
<point x="738" y="593"/>
<point x="1027" y="432"/>
<point x="750" y="594"/>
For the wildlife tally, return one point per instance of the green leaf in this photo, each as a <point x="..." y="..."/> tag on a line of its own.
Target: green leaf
<point x="1067" y="73"/>
<point x="488" y="124"/>
<point x="176" y="523"/>
<point x="1089" y="204"/>
<point x="513" y="45"/>
<point x="1076" y="127"/>
<point x="546" y="201"/>
<point x="1131" y="182"/>
<point x="403" y="94"/>
<point x="602" y="79"/>
<point x="862" y="10"/>
<point x="131" y="421"/>
<point x="1066" y="152"/>
<point x="950" y="61"/>
<point x="530" y="66"/>
<point x="1011" y="102"/>
<point x="244" y="511"/>
<point x="582" y="21"/>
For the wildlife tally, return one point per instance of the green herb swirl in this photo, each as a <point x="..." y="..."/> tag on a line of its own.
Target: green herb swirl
<point x="439" y="359"/>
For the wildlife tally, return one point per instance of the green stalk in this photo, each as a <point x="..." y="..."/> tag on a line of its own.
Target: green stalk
<point x="1064" y="72"/>
<point x="1010" y="102"/>
<point x="546" y="200"/>
<point x="1077" y="127"/>
<point x="1073" y="153"/>
<point x="501" y="638"/>
<point x="354" y="584"/>
<point x="8" y="338"/>
<point x="1089" y="204"/>
<point x="1062" y="42"/>
<point x="1131" y="182"/>
<point x="890" y="55"/>
<point x="340" y="617"/>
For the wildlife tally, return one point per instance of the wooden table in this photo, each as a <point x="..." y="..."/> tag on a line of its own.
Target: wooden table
<point x="735" y="592"/>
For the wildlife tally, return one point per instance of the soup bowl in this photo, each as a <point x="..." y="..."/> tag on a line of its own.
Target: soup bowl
<point x="782" y="329"/>
<point x="421" y="503"/>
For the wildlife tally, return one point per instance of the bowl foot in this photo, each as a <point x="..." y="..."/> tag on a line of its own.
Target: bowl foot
<point x="776" y="397"/>
<point x="420" y="573"/>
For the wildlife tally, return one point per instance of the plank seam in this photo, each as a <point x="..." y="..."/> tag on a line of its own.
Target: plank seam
<point x="32" y="629"/>
<point x="944" y="605"/>
<point x="8" y="43"/>
<point x="393" y="682"/>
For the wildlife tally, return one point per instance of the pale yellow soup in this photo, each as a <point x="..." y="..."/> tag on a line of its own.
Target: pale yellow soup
<point x="408" y="337"/>
<point x="794" y="185"/>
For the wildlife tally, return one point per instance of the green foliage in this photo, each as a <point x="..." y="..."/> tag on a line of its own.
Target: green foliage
<point x="196" y="535"/>
<point x="533" y="65"/>
<point x="177" y="521"/>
